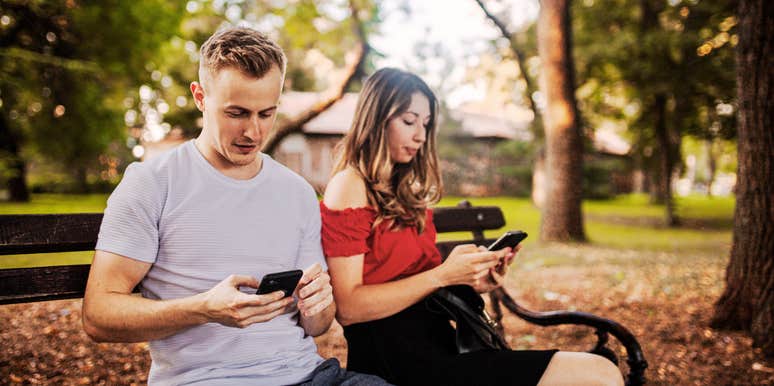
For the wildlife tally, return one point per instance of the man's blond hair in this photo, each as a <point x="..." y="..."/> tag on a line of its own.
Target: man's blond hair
<point x="243" y="49"/>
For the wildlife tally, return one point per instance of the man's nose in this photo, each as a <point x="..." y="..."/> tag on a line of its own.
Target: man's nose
<point x="253" y="129"/>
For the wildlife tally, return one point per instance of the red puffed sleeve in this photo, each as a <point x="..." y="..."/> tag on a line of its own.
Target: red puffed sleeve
<point x="344" y="232"/>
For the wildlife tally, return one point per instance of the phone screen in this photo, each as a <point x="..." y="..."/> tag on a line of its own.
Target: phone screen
<point x="509" y="239"/>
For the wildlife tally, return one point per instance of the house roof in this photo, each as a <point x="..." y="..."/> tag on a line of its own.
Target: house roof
<point x="483" y="125"/>
<point x="337" y="119"/>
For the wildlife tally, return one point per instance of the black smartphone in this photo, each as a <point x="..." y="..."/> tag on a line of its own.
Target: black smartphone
<point x="285" y="281"/>
<point x="509" y="239"/>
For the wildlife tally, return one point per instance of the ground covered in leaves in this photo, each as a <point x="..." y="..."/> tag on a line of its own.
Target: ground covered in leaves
<point x="664" y="298"/>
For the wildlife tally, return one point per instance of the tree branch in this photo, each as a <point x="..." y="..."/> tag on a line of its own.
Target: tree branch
<point x="516" y="52"/>
<point x="334" y="94"/>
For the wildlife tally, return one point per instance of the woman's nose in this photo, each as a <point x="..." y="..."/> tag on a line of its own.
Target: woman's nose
<point x="421" y="134"/>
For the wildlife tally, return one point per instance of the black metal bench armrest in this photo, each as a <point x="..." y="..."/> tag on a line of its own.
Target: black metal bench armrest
<point x="635" y="358"/>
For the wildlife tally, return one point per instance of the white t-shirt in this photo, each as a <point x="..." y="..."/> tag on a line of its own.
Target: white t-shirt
<point x="197" y="226"/>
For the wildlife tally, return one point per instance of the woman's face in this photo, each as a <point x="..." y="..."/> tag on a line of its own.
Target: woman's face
<point x="407" y="132"/>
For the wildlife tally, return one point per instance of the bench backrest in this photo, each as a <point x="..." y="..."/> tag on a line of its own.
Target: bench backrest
<point x="25" y="234"/>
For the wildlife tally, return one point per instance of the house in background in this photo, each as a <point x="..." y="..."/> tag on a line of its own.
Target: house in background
<point x="312" y="152"/>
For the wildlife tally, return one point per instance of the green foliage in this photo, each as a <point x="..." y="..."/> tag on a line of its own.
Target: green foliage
<point x="516" y="160"/>
<point x="75" y="74"/>
<point x="627" y="52"/>
<point x="603" y="176"/>
<point x="314" y="35"/>
<point x="63" y="74"/>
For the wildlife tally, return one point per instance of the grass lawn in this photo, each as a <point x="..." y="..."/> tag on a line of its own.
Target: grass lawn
<point x="627" y="222"/>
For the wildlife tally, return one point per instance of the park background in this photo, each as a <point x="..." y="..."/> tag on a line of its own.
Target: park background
<point x="86" y="88"/>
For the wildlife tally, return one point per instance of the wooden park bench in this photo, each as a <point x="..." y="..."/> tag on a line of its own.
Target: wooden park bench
<point x="25" y="234"/>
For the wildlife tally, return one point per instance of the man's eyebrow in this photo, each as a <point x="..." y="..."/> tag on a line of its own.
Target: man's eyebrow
<point x="270" y="109"/>
<point x="238" y="107"/>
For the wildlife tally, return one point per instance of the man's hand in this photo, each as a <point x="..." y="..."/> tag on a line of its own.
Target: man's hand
<point x="226" y="305"/>
<point x="314" y="291"/>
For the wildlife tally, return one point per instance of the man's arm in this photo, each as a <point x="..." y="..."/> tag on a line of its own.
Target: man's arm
<point x="112" y="314"/>
<point x="315" y="301"/>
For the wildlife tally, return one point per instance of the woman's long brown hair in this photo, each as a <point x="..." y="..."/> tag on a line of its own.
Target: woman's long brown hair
<point x="401" y="193"/>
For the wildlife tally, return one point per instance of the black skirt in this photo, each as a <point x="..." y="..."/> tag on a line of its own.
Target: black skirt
<point x="417" y="347"/>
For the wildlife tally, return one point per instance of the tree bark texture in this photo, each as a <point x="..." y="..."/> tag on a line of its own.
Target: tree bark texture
<point x="666" y="159"/>
<point x="748" y="300"/>
<point x="561" y="215"/>
<point x="16" y="182"/>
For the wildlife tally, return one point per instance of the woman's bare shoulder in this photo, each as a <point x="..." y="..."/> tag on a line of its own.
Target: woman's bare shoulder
<point x="346" y="189"/>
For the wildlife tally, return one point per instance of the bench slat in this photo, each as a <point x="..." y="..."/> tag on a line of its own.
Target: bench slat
<point x="445" y="247"/>
<point x="42" y="233"/>
<point x="23" y="234"/>
<point x="22" y="285"/>
<point x="455" y="219"/>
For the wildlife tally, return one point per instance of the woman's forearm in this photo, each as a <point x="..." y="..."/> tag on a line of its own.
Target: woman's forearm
<point x="366" y="302"/>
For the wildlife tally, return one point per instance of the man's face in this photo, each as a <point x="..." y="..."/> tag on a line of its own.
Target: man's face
<point x="238" y="111"/>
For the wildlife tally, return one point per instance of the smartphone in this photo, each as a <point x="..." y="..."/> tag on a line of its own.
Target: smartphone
<point x="285" y="281"/>
<point x="509" y="239"/>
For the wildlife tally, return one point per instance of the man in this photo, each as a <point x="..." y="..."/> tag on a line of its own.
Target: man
<point x="196" y="226"/>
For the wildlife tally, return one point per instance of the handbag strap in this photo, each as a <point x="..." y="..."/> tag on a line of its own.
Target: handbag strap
<point x="450" y="297"/>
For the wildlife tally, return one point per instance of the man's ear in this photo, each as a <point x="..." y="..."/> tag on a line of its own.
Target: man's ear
<point x="198" y="95"/>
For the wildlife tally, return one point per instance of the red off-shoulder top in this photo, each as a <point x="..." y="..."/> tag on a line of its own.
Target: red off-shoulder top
<point x="389" y="254"/>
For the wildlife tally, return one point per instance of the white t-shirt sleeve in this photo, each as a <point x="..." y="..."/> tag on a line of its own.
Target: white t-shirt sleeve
<point x="130" y="226"/>
<point x="310" y="251"/>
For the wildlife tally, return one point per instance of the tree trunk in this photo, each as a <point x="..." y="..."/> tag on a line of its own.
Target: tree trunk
<point x="81" y="179"/>
<point x="666" y="160"/>
<point x="748" y="300"/>
<point x="16" y="182"/>
<point x="561" y="218"/>
<point x="712" y="165"/>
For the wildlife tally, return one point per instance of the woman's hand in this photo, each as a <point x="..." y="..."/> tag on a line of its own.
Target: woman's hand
<point x="497" y="274"/>
<point x="467" y="264"/>
<point x="314" y="291"/>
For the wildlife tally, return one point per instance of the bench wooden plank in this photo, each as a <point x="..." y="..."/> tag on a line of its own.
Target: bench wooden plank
<point x="42" y="233"/>
<point x="22" y="285"/>
<point x="456" y="219"/>
<point x="20" y="234"/>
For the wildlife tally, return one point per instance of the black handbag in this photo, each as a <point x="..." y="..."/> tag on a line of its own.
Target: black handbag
<point x="475" y="330"/>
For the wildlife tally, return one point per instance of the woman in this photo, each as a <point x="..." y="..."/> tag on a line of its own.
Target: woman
<point x="379" y="241"/>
